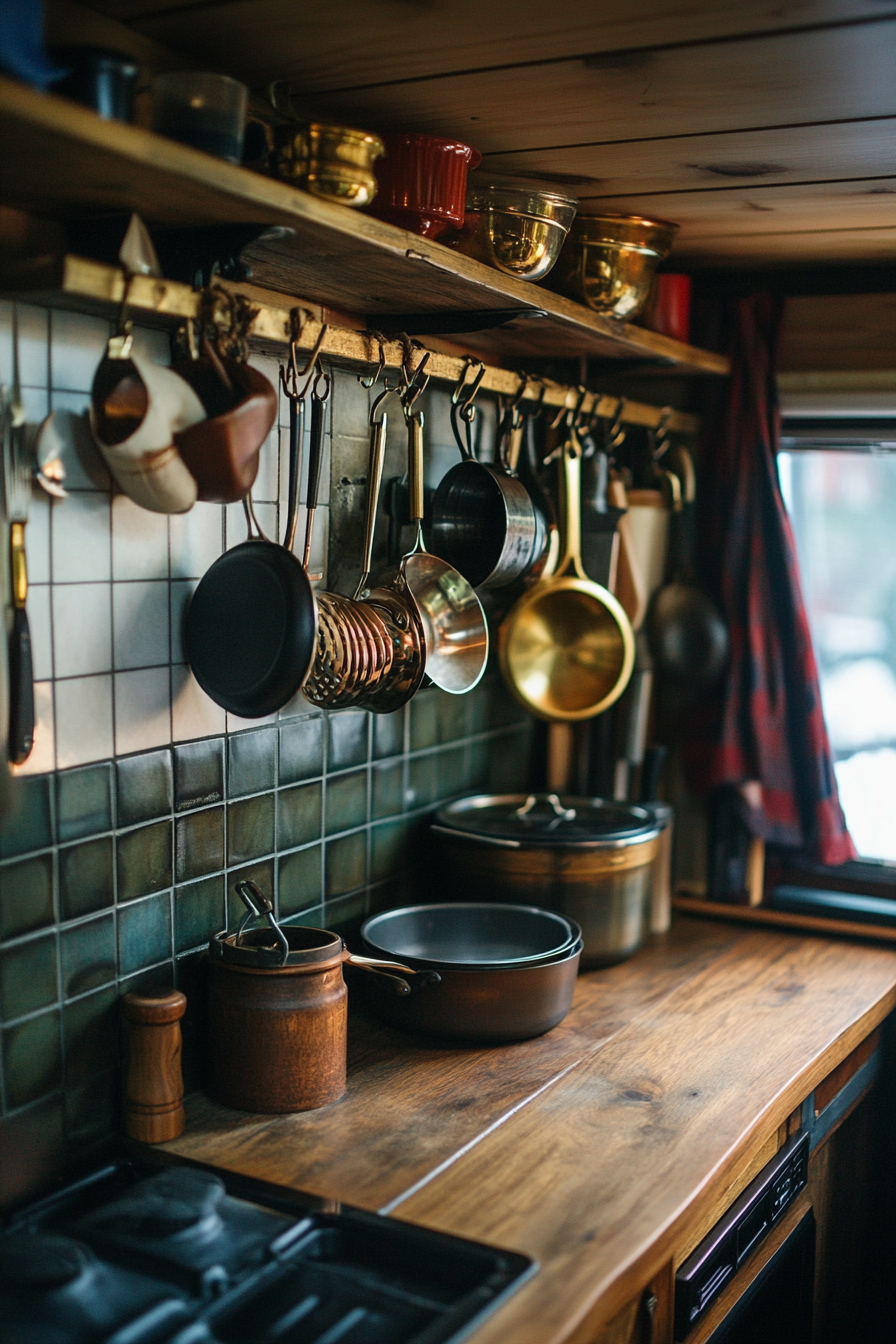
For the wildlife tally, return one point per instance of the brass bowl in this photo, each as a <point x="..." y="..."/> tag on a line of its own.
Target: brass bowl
<point x="609" y="262"/>
<point x="334" y="162"/>
<point x="515" y="229"/>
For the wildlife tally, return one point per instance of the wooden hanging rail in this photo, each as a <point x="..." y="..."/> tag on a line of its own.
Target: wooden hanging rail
<point x="76" y="282"/>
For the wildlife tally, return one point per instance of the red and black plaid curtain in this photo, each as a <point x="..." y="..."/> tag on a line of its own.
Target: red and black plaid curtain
<point x="765" y="727"/>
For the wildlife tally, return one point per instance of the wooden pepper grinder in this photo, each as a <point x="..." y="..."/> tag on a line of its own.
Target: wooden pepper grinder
<point x="154" y="1091"/>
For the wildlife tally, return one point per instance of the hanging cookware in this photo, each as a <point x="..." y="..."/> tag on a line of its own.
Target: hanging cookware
<point x="16" y="501"/>
<point x="370" y="652"/>
<point x="455" y="630"/>
<point x="222" y="451"/>
<point x="688" y="637"/>
<point x="591" y="861"/>
<point x="277" y="1011"/>
<point x="250" y="630"/>
<point x="506" y="972"/>
<point x="567" y="648"/>
<point x="136" y="409"/>
<point x="483" y="520"/>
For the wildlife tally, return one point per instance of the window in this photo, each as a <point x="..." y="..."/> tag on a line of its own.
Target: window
<point x="842" y="505"/>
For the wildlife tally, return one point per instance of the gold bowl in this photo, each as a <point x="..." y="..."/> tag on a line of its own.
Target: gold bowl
<point x="515" y="229"/>
<point x="334" y="162"/>
<point x="609" y="262"/>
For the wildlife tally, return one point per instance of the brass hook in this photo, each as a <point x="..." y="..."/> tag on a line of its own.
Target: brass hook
<point x="380" y="339"/>
<point x="119" y="345"/>
<point x="617" y="431"/>
<point x="661" y="433"/>
<point x="413" y="386"/>
<point x="538" y="405"/>
<point x="464" y="404"/>
<point x="564" y="413"/>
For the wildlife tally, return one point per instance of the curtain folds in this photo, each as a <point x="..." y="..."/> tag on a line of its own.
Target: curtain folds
<point x="763" y="732"/>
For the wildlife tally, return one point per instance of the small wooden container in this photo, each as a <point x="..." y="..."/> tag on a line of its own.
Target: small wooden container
<point x="154" y="1090"/>
<point x="278" y="1010"/>
<point x="277" y="1038"/>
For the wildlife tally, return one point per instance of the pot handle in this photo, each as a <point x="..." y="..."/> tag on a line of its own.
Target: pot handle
<point x="381" y="968"/>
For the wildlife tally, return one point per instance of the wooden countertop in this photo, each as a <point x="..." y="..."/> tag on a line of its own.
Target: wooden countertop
<point x="599" y="1148"/>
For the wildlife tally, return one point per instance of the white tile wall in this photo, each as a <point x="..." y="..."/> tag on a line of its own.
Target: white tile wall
<point x="110" y="581"/>
<point x="82" y="629"/>
<point x="83" y="720"/>
<point x="193" y="714"/>
<point x="140" y="623"/>
<point x="142" y="709"/>
<point x="81" y="538"/>
<point x="139" y="541"/>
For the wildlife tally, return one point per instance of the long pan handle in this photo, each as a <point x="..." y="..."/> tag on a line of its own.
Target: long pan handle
<point x="375" y="462"/>
<point x="296" y="431"/>
<point x="315" y="458"/>
<point x="415" y="465"/>
<point x="21" y="674"/>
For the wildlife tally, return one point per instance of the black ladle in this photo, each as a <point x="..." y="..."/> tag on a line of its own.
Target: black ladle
<point x="688" y="637"/>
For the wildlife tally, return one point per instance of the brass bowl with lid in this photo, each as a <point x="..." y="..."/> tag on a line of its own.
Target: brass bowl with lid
<point x="333" y="162"/>
<point x="609" y="262"/>
<point x="518" y="230"/>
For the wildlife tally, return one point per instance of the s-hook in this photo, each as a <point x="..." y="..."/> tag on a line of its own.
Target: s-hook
<point x="369" y="382"/>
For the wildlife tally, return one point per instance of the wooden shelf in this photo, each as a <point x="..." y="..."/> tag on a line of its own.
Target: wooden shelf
<point x="59" y="160"/>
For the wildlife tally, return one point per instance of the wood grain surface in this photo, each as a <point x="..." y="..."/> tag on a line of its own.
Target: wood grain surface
<point x="604" y="100"/>
<point x="348" y="43"/>
<point x="598" y="1148"/>
<point x="57" y="159"/>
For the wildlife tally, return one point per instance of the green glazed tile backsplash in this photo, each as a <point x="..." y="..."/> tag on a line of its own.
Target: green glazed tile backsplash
<point x="115" y="872"/>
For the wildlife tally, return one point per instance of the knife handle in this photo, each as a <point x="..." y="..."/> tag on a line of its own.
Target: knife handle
<point x="18" y="566"/>
<point x="21" y="689"/>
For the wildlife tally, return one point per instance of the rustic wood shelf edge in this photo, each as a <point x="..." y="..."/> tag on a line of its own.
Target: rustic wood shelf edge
<point x="71" y="281"/>
<point x="58" y="159"/>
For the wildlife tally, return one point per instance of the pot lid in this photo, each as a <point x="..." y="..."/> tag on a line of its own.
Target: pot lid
<point x="546" y="820"/>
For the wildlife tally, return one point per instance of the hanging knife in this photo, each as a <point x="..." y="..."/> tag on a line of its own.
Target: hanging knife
<point x="17" y="489"/>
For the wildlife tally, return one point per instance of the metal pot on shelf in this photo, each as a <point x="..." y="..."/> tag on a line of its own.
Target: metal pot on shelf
<point x="592" y="861"/>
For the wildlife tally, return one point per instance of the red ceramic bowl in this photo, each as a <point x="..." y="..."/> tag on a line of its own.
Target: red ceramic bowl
<point x="422" y="183"/>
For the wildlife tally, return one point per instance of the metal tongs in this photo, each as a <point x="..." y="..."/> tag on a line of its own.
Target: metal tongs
<point x="259" y="906"/>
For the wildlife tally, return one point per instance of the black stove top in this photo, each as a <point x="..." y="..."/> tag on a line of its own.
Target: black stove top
<point x="154" y="1250"/>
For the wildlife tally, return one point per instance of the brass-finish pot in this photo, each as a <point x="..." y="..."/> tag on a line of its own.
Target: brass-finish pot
<point x="515" y="229"/>
<point x="593" y="862"/>
<point x="567" y="647"/>
<point x="609" y="262"/>
<point x="334" y="162"/>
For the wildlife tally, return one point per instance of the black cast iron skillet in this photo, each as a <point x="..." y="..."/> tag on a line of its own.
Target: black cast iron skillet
<point x="506" y="972"/>
<point x="250" y="632"/>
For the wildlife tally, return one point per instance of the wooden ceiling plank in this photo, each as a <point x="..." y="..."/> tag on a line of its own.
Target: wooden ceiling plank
<point x="826" y="75"/>
<point x="347" y="43"/>
<point x="834" y="246"/>
<point x="824" y="151"/>
<point x="798" y="208"/>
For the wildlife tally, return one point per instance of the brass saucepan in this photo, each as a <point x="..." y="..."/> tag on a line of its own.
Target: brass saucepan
<point x="567" y="647"/>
